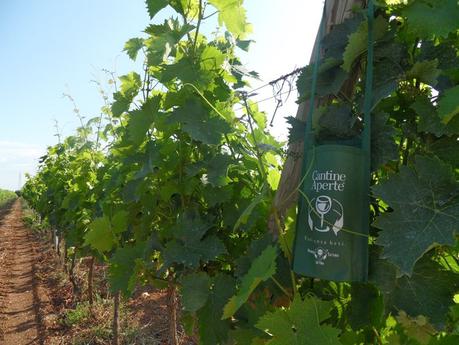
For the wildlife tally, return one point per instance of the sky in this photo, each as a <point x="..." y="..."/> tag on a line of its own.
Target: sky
<point x="54" y="47"/>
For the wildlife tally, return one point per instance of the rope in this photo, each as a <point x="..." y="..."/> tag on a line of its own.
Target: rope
<point x="251" y="93"/>
<point x="268" y="98"/>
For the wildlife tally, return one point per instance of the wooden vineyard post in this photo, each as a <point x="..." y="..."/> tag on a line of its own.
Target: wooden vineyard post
<point x="336" y="12"/>
<point x="116" y="318"/>
<point x="172" y="306"/>
<point x="91" y="281"/>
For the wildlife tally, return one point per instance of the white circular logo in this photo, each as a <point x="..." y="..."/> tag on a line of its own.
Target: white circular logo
<point x="325" y="214"/>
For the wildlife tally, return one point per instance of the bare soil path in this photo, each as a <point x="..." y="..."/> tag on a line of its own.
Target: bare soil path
<point x="19" y="300"/>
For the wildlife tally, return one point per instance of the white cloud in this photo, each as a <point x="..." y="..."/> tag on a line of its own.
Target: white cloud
<point x="16" y="150"/>
<point x="16" y="159"/>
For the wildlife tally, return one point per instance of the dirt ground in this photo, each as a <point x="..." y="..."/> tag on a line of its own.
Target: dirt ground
<point x="19" y="293"/>
<point x="36" y="295"/>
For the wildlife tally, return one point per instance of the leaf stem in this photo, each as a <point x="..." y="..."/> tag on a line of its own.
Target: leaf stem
<point x="210" y="15"/>
<point x="279" y="285"/>
<point x="256" y="147"/>
<point x="214" y="109"/>
<point x="196" y="34"/>
<point x="288" y="251"/>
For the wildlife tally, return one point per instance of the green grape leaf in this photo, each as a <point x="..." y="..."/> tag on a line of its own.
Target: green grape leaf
<point x="258" y="116"/>
<point x="212" y="329"/>
<point x="130" y="191"/>
<point x="383" y="147"/>
<point x="386" y="77"/>
<point x="300" y="324"/>
<point x="130" y="86"/>
<point x="199" y="123"/>
<point x="171" y="31"/>
<point x="444" y="53"/>
<point x="447" y="149"/>
<point x="453" y="126"/>
<point x="273" y="178"/>
<point x="248" y="336"/>
<point x="254" y="250"/>
<point x="100" y="235"/>
<point x="336" y="40"/>
<point x="211" y="58"/>
<point x="119" y="221"/>
<point x="189" y="8"/>
<point x="151" y="160"/>
<point x="71" y="201"/>
<point x="245" y="215"/>
<point x="336" y="121"/>
<point x="387" y="69"/>
<point x="191" y="253"/>
<point x="330" y="79"/>
<point x="244" y="44"/>
<point x="120" y="104"/>
<point x="425" y="72"/>
<point x="296" y="130"/>
<point x="133" y="46"/>
<point x="263" y="268"/>
<point x="163" y="38"/>
<point x="448" y="105"/>
<point x="189" y="228"/>
<point x="353" y="338"/>
<point x="381" y="272"/>
<point x="366" y="306"/>
<point x="154" y="6"/>
<point x="139" y="123"/>
<point x="416" y="328"/>
<point x="195" y="291"/>
<point x="450" y="339"/>
<point x="288" y="237"/>
<point x="358" y="41"/>
<point x="215" y="196"/>
<point x="425" y="204"/>
<point x="233" y="15"/>
<point x="141" y="120"/>
<point x="185" y="70"/>
<point x="258" y="306"/>
<point x="122" y="269"/>
<point x="429" y="291"/>
<point x="400" y="339"/>
<point x="217" y="170"/>
<point x="429" y="121"/>
<point x="428" y="18"/>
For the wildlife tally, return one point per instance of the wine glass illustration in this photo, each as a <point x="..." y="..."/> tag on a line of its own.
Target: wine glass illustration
<point x="323" y="206"/>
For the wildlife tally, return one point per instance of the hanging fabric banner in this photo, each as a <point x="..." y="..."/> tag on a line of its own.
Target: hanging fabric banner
<point x="333" y="211"/>
<point x="332" y="224"/>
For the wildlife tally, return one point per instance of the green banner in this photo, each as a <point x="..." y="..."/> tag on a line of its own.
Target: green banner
<point x="333" y="217"/>
<point x="331" y="240"/>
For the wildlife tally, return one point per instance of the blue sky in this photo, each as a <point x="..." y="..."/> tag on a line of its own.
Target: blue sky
<point x="53" y="47"/>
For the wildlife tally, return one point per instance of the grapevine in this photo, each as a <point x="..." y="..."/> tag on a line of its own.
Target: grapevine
<point x="170" y="187"/>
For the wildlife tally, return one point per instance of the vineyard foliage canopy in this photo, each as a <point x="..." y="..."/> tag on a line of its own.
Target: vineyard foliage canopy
<point x="6" y="196"/>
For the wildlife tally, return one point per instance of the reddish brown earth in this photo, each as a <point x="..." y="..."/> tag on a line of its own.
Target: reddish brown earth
<point x="36" y="293"/>
<point x="19" y="294"/>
